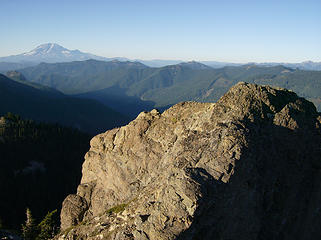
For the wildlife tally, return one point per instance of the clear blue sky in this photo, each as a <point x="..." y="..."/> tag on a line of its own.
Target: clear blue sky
<point x="224" y="30"/>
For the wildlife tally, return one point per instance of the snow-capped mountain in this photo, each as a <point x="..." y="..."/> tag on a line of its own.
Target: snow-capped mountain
<point x="51" y="53"/>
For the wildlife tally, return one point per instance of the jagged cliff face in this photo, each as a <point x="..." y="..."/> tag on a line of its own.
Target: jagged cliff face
<point x="246" y="167"/>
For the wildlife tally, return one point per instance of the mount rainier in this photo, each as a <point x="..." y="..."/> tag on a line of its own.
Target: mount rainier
<point x="51" y="53"/>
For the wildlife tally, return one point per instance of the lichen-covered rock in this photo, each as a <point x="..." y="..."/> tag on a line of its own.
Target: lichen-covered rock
<point x="246" y="167"/>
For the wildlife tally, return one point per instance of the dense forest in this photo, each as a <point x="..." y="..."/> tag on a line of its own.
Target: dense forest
<point x="39" y="165"/>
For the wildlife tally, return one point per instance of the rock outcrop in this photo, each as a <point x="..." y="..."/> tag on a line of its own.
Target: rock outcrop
<point x="246" y="167"/>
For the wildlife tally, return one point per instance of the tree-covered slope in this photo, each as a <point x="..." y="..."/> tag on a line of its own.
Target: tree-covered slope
<point x="19" y="77"/>
<point x="30" y="102"/>
<point x="83" y="76"/>
<point x="39" y="164"/>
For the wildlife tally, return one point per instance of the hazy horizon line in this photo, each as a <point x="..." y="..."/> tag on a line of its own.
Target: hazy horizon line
<point x="173" y="59"/>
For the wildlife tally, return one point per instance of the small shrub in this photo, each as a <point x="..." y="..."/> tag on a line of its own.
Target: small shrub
<point x="117" y="209"/>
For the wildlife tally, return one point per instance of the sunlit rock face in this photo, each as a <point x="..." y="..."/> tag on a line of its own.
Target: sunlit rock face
<point x="246" y="167"/>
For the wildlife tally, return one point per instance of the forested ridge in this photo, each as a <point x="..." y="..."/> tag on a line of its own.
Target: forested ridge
<point x="131" y="87"/>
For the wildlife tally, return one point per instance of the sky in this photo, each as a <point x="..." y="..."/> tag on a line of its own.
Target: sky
<point x="225" y="30"/>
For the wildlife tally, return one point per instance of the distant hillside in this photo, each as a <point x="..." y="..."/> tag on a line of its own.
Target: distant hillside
<point x="30" y="102"/>
<point x="19" y="77"/>
<point x="121" y="84"/>
<point x="118" y="99"/>
<point x="84" y="76"/>
<point x="8" y="66"/>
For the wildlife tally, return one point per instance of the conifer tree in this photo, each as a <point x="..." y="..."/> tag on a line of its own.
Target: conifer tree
<point x="29" y="229"/>
<point x="48" y="227"/>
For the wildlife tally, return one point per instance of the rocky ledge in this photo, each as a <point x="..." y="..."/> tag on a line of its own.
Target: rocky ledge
<point x="246" y="167"/>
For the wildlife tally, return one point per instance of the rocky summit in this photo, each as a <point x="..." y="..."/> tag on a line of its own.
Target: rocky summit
<point x="246" y="167"/>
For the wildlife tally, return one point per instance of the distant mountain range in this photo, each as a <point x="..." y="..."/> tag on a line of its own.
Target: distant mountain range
<point x="130" y="88"/>
<point x="54" y="53"/>
<point x="307" y="65"/>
